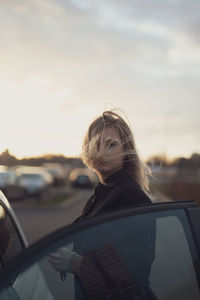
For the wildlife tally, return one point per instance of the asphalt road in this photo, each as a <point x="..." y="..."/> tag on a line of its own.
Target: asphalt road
<point x="39" y="220"/>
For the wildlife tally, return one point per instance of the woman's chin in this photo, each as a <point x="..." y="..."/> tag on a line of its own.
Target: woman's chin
<point x="106" y="172"/>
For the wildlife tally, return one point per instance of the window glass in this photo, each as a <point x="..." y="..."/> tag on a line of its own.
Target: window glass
<point x="155" y="250"/>
<point x="10" y="243"/>
<point x="172" y="273"/>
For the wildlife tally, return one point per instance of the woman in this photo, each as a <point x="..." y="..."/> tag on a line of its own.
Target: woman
<point x="109" y="150"/>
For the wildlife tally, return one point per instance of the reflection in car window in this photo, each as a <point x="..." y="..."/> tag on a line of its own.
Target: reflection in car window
<point x="172" y="273"/>
<point x="10" y="244"/>
<point x="156" y="249"/>
<point x="40" y="281"/>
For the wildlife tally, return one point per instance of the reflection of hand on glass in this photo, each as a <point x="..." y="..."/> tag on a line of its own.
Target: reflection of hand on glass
<point x="65" y="260"/>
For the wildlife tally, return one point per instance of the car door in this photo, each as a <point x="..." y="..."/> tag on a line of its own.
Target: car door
<point x="12" y="239"/>
<point x="152" y="249"/>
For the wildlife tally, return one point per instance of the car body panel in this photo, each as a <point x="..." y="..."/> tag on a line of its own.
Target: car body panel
<point x="8" y="209"/>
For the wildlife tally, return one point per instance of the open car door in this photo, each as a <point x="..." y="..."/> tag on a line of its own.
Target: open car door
<point x="152" y="249"/>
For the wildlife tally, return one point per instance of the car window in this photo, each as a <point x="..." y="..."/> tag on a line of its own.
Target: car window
<point x="11" y="243"/>
<point x="155" y="249"/>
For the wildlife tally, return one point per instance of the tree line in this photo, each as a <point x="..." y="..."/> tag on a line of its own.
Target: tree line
<point x="6" y="158"/>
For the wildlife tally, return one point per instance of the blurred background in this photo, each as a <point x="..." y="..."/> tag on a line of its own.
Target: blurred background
<point x="63" y="62"/>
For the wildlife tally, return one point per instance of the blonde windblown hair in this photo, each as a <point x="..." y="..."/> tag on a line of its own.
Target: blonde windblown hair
<point x="94" y="155"/>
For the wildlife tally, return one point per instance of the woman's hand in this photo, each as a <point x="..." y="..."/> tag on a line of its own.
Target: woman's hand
<point x="65" y="260"/>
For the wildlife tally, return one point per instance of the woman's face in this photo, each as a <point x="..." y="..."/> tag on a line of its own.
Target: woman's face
<point x="112" y="152"/>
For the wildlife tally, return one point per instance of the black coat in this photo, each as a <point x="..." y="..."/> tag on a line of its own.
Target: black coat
<point x="120" y="192"/>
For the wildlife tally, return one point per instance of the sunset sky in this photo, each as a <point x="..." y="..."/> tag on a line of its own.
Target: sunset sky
<point x="63" y="62"/>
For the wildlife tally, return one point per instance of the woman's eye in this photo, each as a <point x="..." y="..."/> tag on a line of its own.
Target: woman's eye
<point x="112" y="145"/>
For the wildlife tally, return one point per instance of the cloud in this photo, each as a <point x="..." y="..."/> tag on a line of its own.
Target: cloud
<point x="81" y="32"/>
<point x="140" y="55"/>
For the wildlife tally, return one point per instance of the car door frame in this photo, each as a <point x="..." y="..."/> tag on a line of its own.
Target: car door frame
<point x="9" y="211"/>
<point x="37" y="250"/>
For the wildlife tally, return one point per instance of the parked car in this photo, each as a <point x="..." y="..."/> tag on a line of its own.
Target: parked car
<point x="57" y="171"/>
<point x="82" y="178"/>
<point x="35" y="180"/>
<point x="160" y="242"/>
<point x="9" y="184"/>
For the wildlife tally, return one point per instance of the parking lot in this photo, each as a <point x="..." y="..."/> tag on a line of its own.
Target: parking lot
<point x="39" y="218"/>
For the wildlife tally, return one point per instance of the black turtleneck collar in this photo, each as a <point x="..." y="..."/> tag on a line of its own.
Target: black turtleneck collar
<point x="117" y="177"/>
<point x="111" y="182"/>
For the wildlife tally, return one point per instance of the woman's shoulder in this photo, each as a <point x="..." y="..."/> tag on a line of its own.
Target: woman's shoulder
<point x="129" y="192"/>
